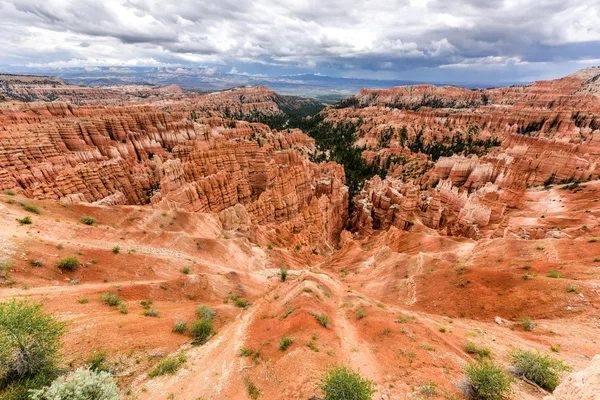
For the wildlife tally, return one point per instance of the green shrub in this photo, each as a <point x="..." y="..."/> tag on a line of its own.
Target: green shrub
<point x="322" y="318"/>
<point x="342" y="383"/>
<point x="428" y="389"/>
<point x="283" y="272"/>
<point x="29" y="352"/>
<point x="87" y="220"/>
<point x="311" y="345"/>
<point x="202" y="330"/>
<point x="123" y="309"/>
<point x="179" y="327"/>
<point x="97" y="361"/>
<point x="9" y="192"/>
<point x="253" y="391"/>
<point x="36" y="263"/>
<point x="572" y="289"/>
<point x="25" y="220"/>
<point x="80" y="385"/>
<point x="245" y="351"/>
<point x="241" y="303"/>
<point x="150" y="312"/>
<point x="83" y="300"/>
<point x="593" y="240"/>
<point x="285" y="342"/>
<point x="110" y="299"/>
<point x="361" y="313"/>
<point x="471" y="348"/>
<point x="487" y="381"/>
<point x="205" y="311"/>
<point x="116" y="249"/>
<point x="31" y="208"/>
<point x="527" y="324"/>
<point x="168" y="365"/>
<point x="186" y="270"/>
<point x="554" y="274"/>
<point x="68" y="263"/>
<point x="540" y="368"/>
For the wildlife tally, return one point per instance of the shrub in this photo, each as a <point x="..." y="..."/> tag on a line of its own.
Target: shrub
<point x="36" y="263"/>
<point x="487" y="381"/>
<point x="554" y="274"/>
<point x="9" y="192"/>
<point x="540" y="368"/>
<point x="31" y="208"/>
<point x="179" y="327"/>
<point x="80" y="385"/>
<point x="29" y="352"/>
<point x="285" y="342"/>
<point x="123" y="309"/>
<point x="471" y="348"/>
<point x="342" y="383"/>
<point x="186" y="270"/>
<point x="150" y="312"/>
<point x="241" y="303"/>
<point x="87" y="220"/>
<point x="205" y="311"/>
<point x="68" y="263"/>
<point x="83" y="301"/>
<point x="202" y="330"/>
<point x="97" y="361"/>
<point x="283" y="272"/>
<point x="116" y="249"/>
<point x="593" y="240"/>
<point x="245" y="351"/>
<point x="311" y="345"/>
<point x="25" y="220"/>
<point x="361" y="313"/>
<point x="572" y="289"/>
<point x="110" y="299"/>
<point x="322" y="318"/>
<point x="253" y="391"/>
<point x="527" y="324"/>
<point x="428" y="389"/>
<point x="168" y="366"/>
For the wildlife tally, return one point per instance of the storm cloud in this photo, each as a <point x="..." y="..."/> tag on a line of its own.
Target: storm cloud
<point x="377" y="38"/>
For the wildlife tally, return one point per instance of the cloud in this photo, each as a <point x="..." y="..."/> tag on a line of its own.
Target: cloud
<point x="344" y="36"/>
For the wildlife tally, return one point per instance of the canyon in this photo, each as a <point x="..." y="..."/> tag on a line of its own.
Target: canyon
<point x="466" y="212"/>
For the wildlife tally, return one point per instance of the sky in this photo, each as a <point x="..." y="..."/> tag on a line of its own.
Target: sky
<point x="424" y="40"/>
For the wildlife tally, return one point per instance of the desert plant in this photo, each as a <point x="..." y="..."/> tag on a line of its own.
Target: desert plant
<point x="83" y="300"/>
<point x="245" y="351"/>
<point x="572" y="289"/>
<point x="9" y="192"/>
<point x="29" y="347"/>
<point x="25" y="220"/>
<point x="322" y="319"/>
<point x="110" y="299"/>
<point x="202" y="330"/>
<point x="150" y="312"/>
<point x="80" y="385"/>
<point x="186" y="270"/>
<point x="68" y="263"/>
<point x="87" y="220"/>
<point x="361" y="313"/>
<point x="97" y="361"/>
<point x="179" y="327"/>
<point x="554" y="274"/>
<point x="253" y="391"/>
<point x="428" y="389"/>
<point x="343" y="383"/>
<point x="471" y="348"/>
<point x="169" y="365"/>
<point x="123" y="309"/>
<point x="31" y="208"/>
<point x="285" y="342"/>
<point x="487" y="381"/>
<point x="36" y="263"/>
<point x="283" y="273"/>
<point x="116" y="249"/>
<point x="540" y="368"/>
<point x="204" y="311"/>
<point x="527" y="324"/>
<point x="241" y="302"/>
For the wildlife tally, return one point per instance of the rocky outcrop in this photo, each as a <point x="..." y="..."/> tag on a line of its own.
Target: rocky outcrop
<point x="581" y="385"/>
<point x="186" y="155"/>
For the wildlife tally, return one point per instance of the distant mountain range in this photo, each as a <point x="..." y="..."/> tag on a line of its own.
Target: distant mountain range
<point x="326" y="89"/>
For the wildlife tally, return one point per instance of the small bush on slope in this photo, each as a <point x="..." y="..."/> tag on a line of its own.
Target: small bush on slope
<point x="487" y="381"/>
<point x="342" y="383"/>
<point x="81" y="385"/>
<point x="540" y="368"/>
